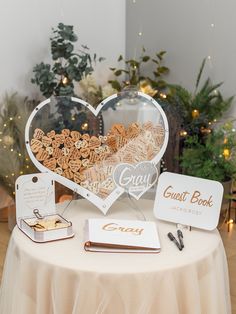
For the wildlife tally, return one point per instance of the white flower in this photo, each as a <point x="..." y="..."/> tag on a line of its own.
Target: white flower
<point x="107" y="91"/>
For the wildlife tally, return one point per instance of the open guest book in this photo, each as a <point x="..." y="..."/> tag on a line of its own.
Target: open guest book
<point x="113" y="235"/>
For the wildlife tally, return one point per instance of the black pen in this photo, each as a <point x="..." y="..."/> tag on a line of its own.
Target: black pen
<point x="172" y="238"/>
<point x="180" y="237"/>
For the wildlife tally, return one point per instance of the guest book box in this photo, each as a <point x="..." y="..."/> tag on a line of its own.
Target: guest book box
<point x="36" y="211"/>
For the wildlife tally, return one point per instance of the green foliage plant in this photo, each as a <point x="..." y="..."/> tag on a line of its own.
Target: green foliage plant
<point x="206" y="100"/>
<point x="208" y="159"/>
<point x="133" y="71"/>
<point x="68" y="65"/>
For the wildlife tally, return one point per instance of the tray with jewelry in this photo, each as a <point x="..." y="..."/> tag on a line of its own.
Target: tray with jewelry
<point x="36" y="209"/>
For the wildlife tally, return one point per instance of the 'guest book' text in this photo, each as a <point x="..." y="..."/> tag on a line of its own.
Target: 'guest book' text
<point x="188" y="200"/>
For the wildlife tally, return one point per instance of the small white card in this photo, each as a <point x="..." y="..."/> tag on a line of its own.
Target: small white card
<point x="188" y="200"/>
<point x="113" y="235"/>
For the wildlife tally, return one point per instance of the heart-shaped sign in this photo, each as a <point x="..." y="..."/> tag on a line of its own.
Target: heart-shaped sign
<point x="137" y="179"/>
<point x="81" y="146"/>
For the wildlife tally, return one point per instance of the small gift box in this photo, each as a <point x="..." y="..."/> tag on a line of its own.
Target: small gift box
<point x="36" y="211"/>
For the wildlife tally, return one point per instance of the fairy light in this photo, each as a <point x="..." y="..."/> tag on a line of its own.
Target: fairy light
<point x="163" y="95"/>
<point x="19" y="154"/>
<point x="65" y="80"/>
<point x="26" y="159"/>
<point x="226" y="153"/>
<point x="195" y="113"/>
<point x="27" y="166"/>
<point x="12" y="174"/>
<point x="209" y="57"/>
<point x="73" y="118"/>
<point x="84" y="126"/>
<point x="19" y="117"/>
<point x="4" y="125"/>
<point x="21" y="172"/>
<point x="183" y="133"/>
<point x="140" y="33"/>
<point x="212" y="25"/>
<point x="10" y="118"/>
<point x="12" y="150"/>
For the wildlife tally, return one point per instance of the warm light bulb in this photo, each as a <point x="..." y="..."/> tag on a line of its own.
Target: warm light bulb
<point x="73" y="118"/>
<point x="27" y="166"/>
<point x="12" y="174"/>
<point x="19" y="155"/>
<point x="183" y="133"/>
<point x="4" y="124"/>
<point x="11" y="149"/>
<point x="21" y="172"/>
<point x="19" y="117"/>
<point x="140" y="34"/>
<point x="163" y="95"/>
<point x="65" y="80"/>
<point x="212" y="24"/>
<point x="209" y="57"/>
<point x="84" y="126"/>
<point x="226" y="153"/>
<point x="195" y="113"/>
<point x="10" y="118"/>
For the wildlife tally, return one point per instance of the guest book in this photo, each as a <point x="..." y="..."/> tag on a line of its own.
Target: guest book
<point x="113" y="235"/>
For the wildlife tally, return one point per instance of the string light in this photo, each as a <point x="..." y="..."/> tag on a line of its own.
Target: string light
<point x="73" y="118"/>
<point x="140" y="33"/>
<point x="19" y="117"/>
<point x="12" y="174"/>
<point x="84" y="126"/>
<point x="21" y="172"/>
<point x="212" y="25"/>
<point x="65" y="80"/>
<point x="226" y="153"/>
<point x="195" y="113"/>
<point x="27" y="166"/>
<point x="4" y="125"/>
<point x="19" y="155"/>
<point x="10" y="118"/>
<point x="204" y="130"/>
<point x="163" y="95"/>
<point x="183" y="133"/>
<point x="209" y="57"/>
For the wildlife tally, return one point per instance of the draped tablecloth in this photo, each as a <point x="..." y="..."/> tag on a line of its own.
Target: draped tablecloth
<point x="60" y="277"/>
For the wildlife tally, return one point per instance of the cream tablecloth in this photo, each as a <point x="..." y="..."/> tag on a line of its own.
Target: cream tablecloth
<point x="61" y="278"/>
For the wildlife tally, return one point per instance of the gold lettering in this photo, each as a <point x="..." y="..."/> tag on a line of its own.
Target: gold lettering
<point x="196" y="199"/>
<point x="115" y="227"/>
<point x="174" y="195"/>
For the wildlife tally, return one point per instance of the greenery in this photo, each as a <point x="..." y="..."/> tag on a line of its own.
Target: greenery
<point x="213" y="158"/>
<point x="68" y="66"/>
<point x="200" y="109"/>
<point x="14" y="159"/>
<point x="134" y="72"/>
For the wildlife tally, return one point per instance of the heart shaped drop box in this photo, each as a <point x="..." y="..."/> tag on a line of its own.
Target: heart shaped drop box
<point x="81" y="146"/>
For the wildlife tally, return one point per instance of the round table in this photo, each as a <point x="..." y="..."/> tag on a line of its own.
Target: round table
<point x="60" y="277"/>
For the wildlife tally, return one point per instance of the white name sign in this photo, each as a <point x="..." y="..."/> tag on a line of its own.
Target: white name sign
<point x="188" y="200"/>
